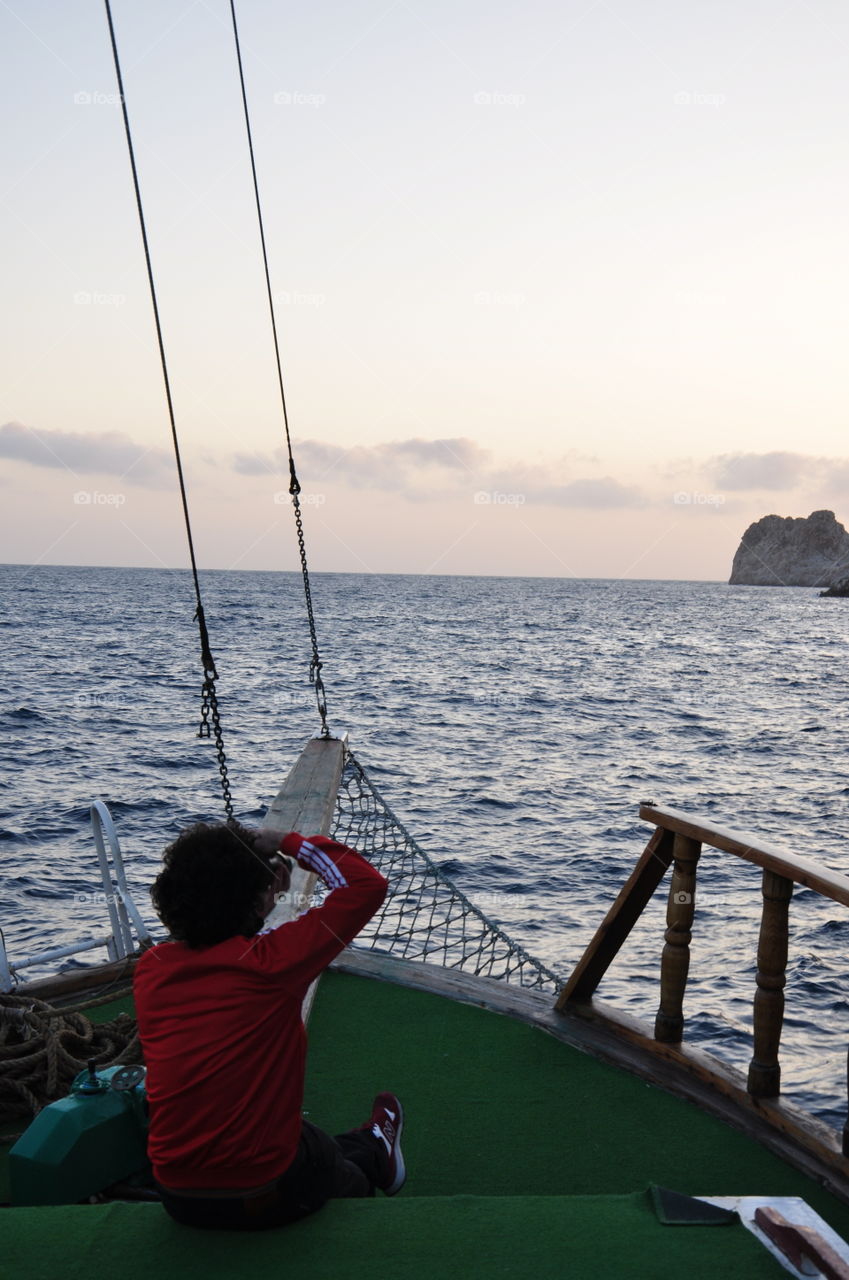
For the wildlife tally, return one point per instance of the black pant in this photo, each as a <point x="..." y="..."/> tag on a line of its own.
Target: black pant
<point x="323" y="1168"/>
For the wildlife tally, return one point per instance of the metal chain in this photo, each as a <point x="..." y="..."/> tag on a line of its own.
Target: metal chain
<point x="294" y="486"/>
<point x="209" y="707"/>
<point x="315" y="661"/>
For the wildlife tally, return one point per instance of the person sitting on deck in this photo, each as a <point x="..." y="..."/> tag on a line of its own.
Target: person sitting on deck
<point x="219" y="1016"/>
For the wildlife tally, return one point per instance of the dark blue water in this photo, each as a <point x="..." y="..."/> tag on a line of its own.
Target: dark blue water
<point x="513" y="724"/>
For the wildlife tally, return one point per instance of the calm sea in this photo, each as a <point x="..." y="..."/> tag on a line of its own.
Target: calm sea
<point x="514" y="724"/>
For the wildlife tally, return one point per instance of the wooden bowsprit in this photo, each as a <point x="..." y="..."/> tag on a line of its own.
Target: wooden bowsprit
<point x="306" y="803"/>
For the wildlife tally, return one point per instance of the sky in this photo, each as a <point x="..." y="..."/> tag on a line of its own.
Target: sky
<point x="562" y="288"/>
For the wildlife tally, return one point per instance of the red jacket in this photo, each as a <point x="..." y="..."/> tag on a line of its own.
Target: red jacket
<point x="222" y="1034"/>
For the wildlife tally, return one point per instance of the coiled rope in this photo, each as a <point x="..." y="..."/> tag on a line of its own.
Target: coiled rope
<point x="42" y="1048"/>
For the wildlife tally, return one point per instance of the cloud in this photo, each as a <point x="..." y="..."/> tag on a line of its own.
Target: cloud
<point x="396" y="464"/>
<point x="600" y="494"/>
<point x="420" y="470"/>
<point x="772" y="471"/>
<point x="837" y="478"/>
<point x="97" y="453"/>
<point x="260" y="464"/>
<point x="780" y="472"/>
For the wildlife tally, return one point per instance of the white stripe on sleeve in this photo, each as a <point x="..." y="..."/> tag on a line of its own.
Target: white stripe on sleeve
<point x="323" y="865"/>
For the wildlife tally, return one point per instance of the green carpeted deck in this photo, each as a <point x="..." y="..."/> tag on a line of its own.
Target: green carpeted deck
<point x="495" y="1107"/>
<point x="526" y="1159"/>
<point x="523" y="1238"/>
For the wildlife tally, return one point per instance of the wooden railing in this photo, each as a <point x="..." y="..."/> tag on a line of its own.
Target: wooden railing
<point x="678" y="840"/>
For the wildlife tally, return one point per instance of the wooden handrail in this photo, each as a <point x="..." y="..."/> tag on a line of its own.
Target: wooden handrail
<point x="831" y="884"/>
<point x="677" y="839"/>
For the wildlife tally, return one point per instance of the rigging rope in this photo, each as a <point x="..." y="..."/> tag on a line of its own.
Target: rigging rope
<point x="294" y="485"/>
<point x="209" y="696"/>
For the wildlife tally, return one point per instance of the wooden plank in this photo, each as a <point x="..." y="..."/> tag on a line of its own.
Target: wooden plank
<point x="307" y="798"/>
<point x="605" y="1033"/>
<point x="801" y="1245"/>
<point x="94" y="981"/>
<point x="831" y="884"/>
<point x="620" y="919"/>
<point x="305" y="803"/>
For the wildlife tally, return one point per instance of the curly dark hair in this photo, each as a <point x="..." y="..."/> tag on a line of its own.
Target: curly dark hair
<point x="211" y="884"/>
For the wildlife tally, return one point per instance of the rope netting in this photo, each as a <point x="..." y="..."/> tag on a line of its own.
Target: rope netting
<point x="424" y="916"/>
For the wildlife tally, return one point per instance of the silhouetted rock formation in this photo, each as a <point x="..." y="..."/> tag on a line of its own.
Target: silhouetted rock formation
<point x="839" y="589"/>
<point x="780" y="551"/>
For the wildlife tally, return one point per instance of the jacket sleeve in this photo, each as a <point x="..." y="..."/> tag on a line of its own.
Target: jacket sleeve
<point x="302" y="948"/>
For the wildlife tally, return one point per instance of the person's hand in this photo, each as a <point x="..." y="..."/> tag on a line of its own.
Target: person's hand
<point x="282" y="878"/>
<point x="267" y="841"/>
<point x="291" y="847"/>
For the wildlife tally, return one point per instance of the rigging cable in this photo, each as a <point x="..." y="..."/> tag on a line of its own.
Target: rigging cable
<point x="209" y="697"/>
<point x="294" y="485"/>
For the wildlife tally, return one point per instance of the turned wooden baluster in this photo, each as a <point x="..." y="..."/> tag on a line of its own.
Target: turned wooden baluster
<point x="846" y="1126"/>
<point x="675" y="961"/>
<point x="768" y="1014"/>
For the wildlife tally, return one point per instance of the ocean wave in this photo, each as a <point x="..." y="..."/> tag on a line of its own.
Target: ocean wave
<point x="518" y="753"/>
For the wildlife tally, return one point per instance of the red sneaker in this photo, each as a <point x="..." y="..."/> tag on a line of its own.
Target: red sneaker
<point x="387" y="1123"/>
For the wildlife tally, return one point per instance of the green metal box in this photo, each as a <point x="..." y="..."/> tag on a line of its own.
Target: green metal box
<point x="80" y="1145"/>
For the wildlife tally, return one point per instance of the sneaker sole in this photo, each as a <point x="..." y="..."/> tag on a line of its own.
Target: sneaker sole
<point x="400" y="1168"/>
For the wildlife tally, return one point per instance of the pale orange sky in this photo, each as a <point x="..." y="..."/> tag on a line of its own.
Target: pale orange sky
<point x="562" y="289"/>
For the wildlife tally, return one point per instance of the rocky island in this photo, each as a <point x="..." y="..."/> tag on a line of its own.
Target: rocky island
<point x="783" y="551"/>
